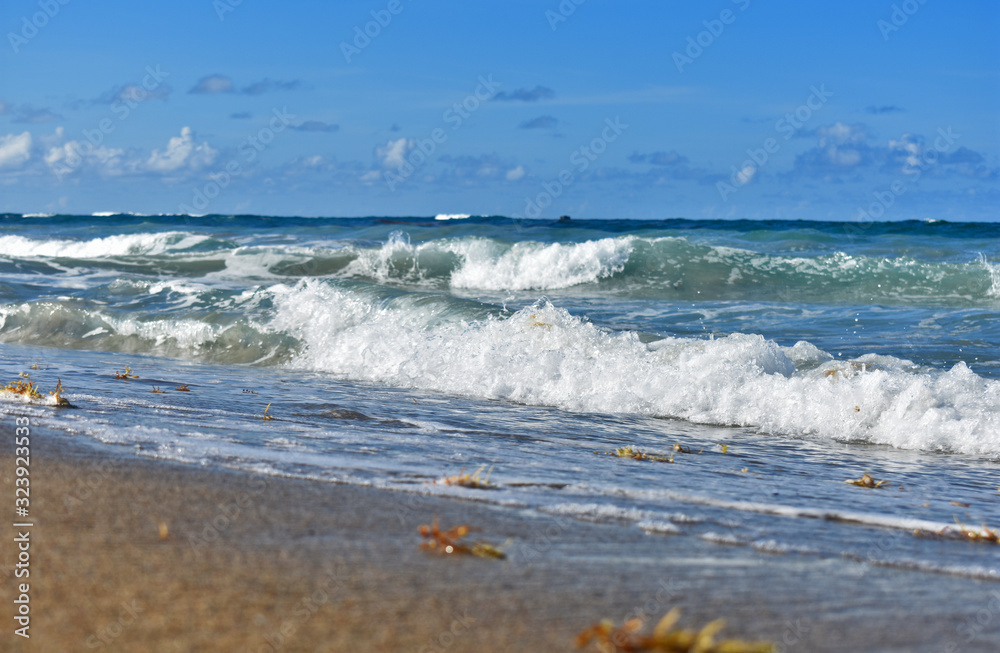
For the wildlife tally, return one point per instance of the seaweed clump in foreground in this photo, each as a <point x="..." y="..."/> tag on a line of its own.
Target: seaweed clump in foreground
<point x="666" y="638"/>
<point x="29" y="390"/>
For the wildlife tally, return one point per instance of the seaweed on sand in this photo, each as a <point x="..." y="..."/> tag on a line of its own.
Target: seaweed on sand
<point x="666" y="638"/>
<point x="448" y="542"/>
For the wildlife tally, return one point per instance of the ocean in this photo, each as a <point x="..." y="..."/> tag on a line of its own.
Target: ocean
<point x="759" y="364"/>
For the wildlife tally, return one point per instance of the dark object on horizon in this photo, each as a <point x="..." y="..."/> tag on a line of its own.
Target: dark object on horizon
<point x="564" y="218"/>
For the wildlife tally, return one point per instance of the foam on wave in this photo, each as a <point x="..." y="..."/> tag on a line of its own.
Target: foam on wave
<point x="668" y="266"/>
<point x="122" y="245"/>
<point x="542" y="355"/>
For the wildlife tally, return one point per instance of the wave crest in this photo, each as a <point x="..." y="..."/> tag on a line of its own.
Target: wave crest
<point x="542" y="355"/>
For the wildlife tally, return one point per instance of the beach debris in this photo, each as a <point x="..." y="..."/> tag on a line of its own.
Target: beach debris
<point x="182" y="388"/>
<point x="636" y="454"/>
<point x="983" y="534"/>
<point x="164" y="532"/>
<point x="29" y="390"/>
<point x="474" y="480"/>
<point x="535" y="324"/>
<point x="156" y="390"/>
<point x="447" y="542"/>
<point x="24" y="375"/>
<point x="866" y="481"/>
<point x="248" y="391"/>
<point x="724" y="448"/>
<point x="125" y="375"/>
<point x="849" y="369"/>
<point x="666" y="637"/>
<point x="265" y="416"/>
<point x="23" y="388"/>
<point x="976" y="535"/>
<point x="56" y="394"/>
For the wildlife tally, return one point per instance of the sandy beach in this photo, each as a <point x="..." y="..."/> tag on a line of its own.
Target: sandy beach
<point x="269" y="564"/>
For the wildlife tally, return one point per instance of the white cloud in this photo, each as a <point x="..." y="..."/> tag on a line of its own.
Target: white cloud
<point x="843" y="143"/>
<point x="181" y="152"/>
<point x="840" y="134"/>
<point x="73" y="155"/>
<point x="840" y="149"/>
<point x="213" y="84"/>
<point x="393" y="154"/>
<point x="910" y="149"/>
<point x="515" y="174"/>
<point x="14" y="150"/>
<point x="745" y="175"/>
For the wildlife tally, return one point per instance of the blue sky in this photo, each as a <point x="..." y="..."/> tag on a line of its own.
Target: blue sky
<point x="638" y="109"/>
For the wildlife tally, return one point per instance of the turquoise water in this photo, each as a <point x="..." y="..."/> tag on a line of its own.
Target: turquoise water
<point x="783" y="358"/>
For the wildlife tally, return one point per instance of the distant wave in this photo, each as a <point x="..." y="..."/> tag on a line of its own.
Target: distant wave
<point x="670" y="267"/>
<point x="149" y="244"/>
<point x="664" y="267"/>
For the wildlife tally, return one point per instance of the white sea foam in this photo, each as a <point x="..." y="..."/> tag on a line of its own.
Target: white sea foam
<point x="994" y="271"/>
<point x="723" y="538"/>
<point x="538" y="266"/>
<point x="659" y="526"/>
<point x="121" y="245"/>
<point x="481" y="263"/>
<point x="542" y="355"/>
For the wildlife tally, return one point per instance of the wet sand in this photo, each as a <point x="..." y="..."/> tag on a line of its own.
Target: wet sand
<point x="255" y="563"/>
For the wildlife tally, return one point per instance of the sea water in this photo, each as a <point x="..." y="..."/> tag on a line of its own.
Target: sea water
<point x="773" y="361"/>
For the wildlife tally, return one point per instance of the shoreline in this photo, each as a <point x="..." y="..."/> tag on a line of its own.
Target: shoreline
<point x="263" y="563"/>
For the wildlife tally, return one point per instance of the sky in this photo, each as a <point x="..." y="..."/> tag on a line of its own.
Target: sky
<point x="743" y="109"/>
